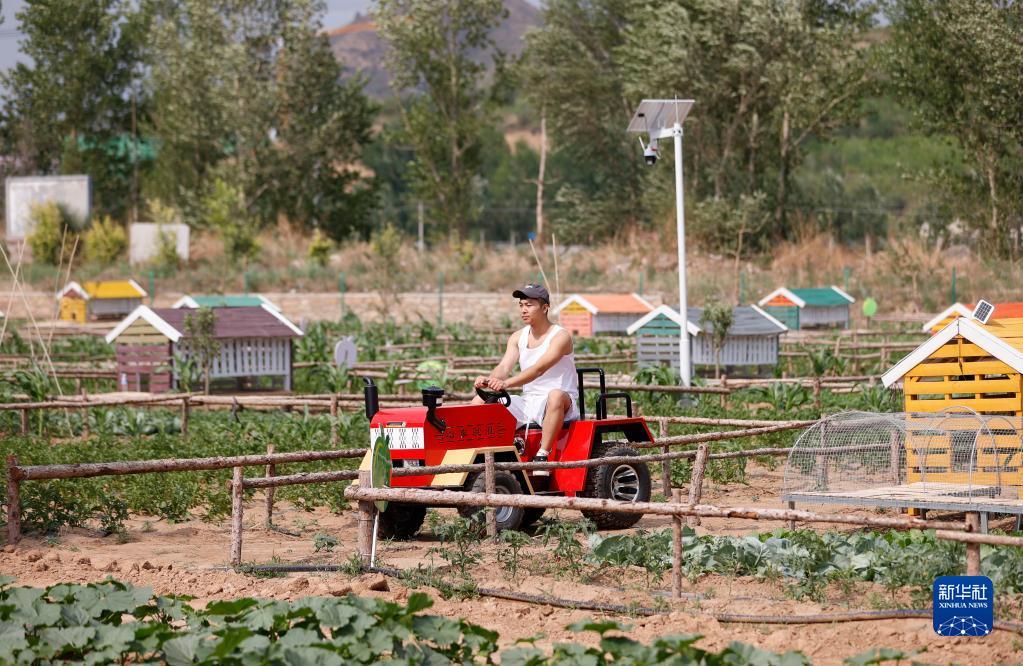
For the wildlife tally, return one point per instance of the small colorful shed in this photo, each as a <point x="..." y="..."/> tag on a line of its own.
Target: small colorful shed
<point x="224" y="301"/>
<point x="587" y="315"/>
<point x="1002" y="311"/>
<point x="965" y="366"/>
<point x="809" y="308"/>
<point x="255" y="342"/>
<point x="99" y="300"/>
<point x="752" y="340"/>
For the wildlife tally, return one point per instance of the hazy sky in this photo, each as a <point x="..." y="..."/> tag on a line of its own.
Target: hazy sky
<point x="339" y="12"/>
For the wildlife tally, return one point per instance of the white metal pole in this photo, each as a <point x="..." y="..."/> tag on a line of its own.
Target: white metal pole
<point x="684" y="364"/>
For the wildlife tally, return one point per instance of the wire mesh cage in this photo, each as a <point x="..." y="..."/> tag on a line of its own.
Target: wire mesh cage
<point x="955" y="453"/>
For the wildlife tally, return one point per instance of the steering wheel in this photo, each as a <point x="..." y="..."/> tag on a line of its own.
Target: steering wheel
<point x="491" y="397"/>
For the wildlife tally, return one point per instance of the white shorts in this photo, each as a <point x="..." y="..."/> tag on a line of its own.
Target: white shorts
<point x="531" y="408"/>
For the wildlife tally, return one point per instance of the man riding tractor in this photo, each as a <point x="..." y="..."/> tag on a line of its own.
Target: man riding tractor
<point x="547" y="422"/>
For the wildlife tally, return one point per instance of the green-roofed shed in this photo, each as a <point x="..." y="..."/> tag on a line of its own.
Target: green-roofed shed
<point x="817" y="307"/>
<point x="224" y="301"/>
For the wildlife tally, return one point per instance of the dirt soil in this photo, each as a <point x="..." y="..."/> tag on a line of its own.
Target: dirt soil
<point x="192" y="558"/>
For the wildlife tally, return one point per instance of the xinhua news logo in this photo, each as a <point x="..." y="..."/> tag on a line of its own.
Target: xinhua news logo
<point x="964" y="606"/>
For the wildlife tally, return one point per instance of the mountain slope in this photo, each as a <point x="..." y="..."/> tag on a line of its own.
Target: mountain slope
<point x="359" y="47"/>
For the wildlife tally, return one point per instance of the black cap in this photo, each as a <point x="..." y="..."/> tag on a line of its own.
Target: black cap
<point x="533" y="291"/>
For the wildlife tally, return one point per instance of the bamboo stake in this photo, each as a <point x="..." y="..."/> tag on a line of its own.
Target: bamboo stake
<point x="696" y="482"/>
<point x="676" y="542"/>
<point x="13" y="503"/>
<point x="236" y="517"/>
<point x="977" y="538"/>
<point x="118" y="468"/>
<point x="186" y="411"/>
<point x="271" y="471"/>
<point x="972" y="548"/>
<point x="459" y="498"/>
<point x="666" y="464"/>
<point x="490" y="477"/>
<point x="333" y="420"/>
<point x="366" y="514"/>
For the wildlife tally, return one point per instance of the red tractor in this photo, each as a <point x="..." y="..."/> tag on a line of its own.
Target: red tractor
<point x="437" y="435"/>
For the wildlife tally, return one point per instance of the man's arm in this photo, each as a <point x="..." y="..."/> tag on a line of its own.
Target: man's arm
<point x="505" y="367"/>
<point x="560" y="346"/>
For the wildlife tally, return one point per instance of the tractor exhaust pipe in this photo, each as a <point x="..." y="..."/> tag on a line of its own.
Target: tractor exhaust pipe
<point x="372" y="396"/>
<point x="433" y="397"/>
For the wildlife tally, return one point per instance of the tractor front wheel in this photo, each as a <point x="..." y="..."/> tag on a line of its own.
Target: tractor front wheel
<point x="505" y="483"/>
<point x="623" y="482"/>
<point x="401" y="521"/>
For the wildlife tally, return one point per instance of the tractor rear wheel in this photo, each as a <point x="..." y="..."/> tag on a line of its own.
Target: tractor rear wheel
<point x="505" y="483"/>
<point x="624" y="482"/>
<point x="401" y="521"/>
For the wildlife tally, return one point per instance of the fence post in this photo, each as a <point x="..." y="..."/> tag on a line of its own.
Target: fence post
<point x="817" y="392"/>
<point x="973" y="549"/>
<point x="490" y="477"/>
<point x="86" y="429"/>
<point x="724" y="396"/>
<point x="236" y="517"/>
<point x="185" y="412"/>
<point x="13" y="502"/>
<point x="367" y="512"/>
<point x="792" y="522"/>
<point x="662" y="432"/>
<point x="24" y="422"/>
<point x="696" y="482"/>
<point x="271" y="470"/>
<point x="676" y="542"/>
<point x="333" y="420"/>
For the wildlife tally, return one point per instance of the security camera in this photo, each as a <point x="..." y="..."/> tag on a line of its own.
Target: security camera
<point x="650" y="151"/>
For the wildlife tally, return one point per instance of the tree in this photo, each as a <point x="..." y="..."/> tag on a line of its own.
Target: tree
<point x="322" y="125"/>
<point x="959" y="63"/>
<point x="69" y="108"/>
<point x="248" y="92"/>
<point x="571" y="72"/>
<point x="716" y="321"/>
<point x="766" y="76"/>
<point x="203" y="346"/>
<point x="445" y="101"/>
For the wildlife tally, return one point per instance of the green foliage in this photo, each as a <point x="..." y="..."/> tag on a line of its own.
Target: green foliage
<point x="324" y="542"/>
<point x="431" y="56"/>
<point x="113" y="622"/>
<point x="68" y="105"/>
<point x="568" y="549"/>
<point x="105" y="241"/>
<point x="460" y="539"/>
<point x="510" y="555"/>
<point x="167" y="257"/>
<point x="123" y="434"/>
<point x="202" y="343"/>
<point x="224" y="210"/>
<point x="784" y="397"/>
<point x="716" y="321"/>
<point x="53" y="237"/>
<point x="386" y="245"/>
<point x="960" y="66"/>
<point x="651" y="551"/>
<point x="319" y="249"/>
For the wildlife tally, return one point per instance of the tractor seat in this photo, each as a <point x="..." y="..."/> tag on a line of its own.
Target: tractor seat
<point x="537" y="426"/>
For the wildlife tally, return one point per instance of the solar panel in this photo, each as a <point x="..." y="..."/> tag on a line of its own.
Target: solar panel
<point x="983" y="311"/>
<point x="654" y="115"/>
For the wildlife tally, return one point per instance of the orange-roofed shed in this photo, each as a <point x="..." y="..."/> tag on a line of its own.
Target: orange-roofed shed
<point x="587" y="315"/>
<point x="1009" y="310"/>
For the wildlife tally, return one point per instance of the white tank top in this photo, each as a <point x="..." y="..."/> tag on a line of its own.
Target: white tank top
<point x="559" y="376"/>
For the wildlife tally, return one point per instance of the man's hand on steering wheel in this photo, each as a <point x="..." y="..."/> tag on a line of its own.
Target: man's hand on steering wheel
<point x="481" y="382"/>
<point x="490" y="396"/>
<point x="497" y="385"/>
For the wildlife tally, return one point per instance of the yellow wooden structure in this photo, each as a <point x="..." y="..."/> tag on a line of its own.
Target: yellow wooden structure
<point x="100" y="299"/>
<point x="967" y="367"/>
